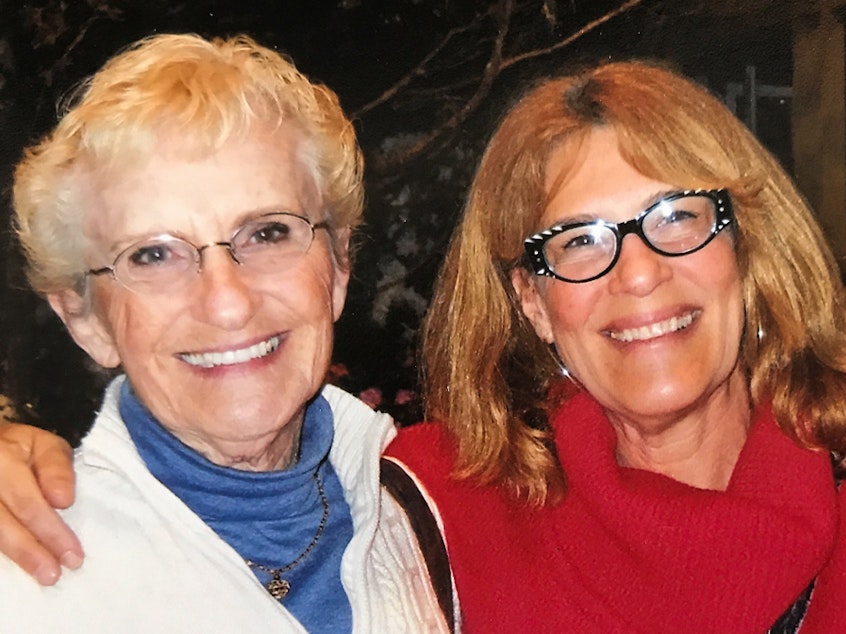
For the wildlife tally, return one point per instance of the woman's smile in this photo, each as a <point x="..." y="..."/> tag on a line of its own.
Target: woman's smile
<point x="654" y="330"/>
<point x="232" y="357"/>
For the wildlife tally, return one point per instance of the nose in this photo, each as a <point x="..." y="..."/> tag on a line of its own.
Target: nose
<point x="639" y="270"/>
<point x="223" y="296"/>
<point x="227" y="245"/>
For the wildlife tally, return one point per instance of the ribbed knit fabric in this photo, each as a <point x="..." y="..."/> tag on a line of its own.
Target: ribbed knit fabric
<point x="152" y="565"/>
<point x="267" y="517"/>
<point x="631" y="551"/>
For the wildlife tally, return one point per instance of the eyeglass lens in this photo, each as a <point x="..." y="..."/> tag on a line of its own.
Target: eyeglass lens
<point x="266" y="244"/>
<point x="673" y="226"/>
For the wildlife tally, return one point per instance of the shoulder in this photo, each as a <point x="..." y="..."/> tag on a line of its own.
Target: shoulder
<point x="426" y="449"/>
<point x="349" y="411"/>
<point x="361" y="435"/>
<point x="427" y="452"/>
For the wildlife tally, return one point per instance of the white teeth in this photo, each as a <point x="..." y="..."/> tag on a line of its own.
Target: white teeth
<point x="653" y="330"/>
<point x="231" y="357"/>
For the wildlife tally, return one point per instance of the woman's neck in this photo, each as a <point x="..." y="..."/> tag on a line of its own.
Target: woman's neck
<point x="699" y="446"/>
<point x="277" y="449"/>
<point x="265" y="454"/>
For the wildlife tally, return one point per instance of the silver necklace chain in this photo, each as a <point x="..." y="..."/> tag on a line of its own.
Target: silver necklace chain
<point x="277" y="586"/>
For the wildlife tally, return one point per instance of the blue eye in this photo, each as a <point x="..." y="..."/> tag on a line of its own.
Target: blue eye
<point x="158" y="254"/>
<point x="269" y="233"/>
<point x="151" y="255"/>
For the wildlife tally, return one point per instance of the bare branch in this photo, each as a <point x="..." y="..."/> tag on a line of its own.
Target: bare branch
<point x="417" y="71"/>
<point x="101" y="9"/>
<point x="590" y="26"/>
<point x="502" y="14"/>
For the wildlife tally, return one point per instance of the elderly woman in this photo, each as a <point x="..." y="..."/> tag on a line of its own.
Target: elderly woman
<point x="638" y="430"/>
<point x="189" y="221"/>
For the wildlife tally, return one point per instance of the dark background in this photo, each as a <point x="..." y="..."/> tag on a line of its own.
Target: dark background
<point x="425" y="82"/>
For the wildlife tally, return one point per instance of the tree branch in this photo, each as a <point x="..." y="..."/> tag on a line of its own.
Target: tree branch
<point x="502" y="14"/>
<point x="587" y="28"/>
<point x="101" y="9"/>
<point x="417" y="71"/>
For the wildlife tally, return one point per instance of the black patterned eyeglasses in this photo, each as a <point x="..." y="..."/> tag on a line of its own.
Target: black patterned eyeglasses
<point x="678" y="224"/>
<point x="164" y="263"/>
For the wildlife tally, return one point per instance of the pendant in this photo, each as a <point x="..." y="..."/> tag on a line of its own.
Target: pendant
<point x="278" y="587"/>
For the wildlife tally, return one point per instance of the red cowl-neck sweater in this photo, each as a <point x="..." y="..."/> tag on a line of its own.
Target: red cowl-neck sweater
<point x="630" y="551"/>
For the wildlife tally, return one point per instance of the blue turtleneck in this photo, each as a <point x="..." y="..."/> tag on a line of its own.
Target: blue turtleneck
<point x="267" y="517"/>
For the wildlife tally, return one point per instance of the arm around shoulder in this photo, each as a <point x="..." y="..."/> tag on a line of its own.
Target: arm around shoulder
<point x="36" y="477"/>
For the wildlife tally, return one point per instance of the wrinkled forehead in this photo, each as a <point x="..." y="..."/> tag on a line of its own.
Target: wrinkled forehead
<point x="262" y="170"/>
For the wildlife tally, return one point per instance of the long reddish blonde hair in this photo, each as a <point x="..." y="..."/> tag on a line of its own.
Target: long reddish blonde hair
<point x="486" y="373"/>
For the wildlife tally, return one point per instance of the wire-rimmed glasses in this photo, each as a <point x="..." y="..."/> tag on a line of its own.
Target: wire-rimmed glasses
<point x="266" y="244"/>
<point x="678" y="224"/>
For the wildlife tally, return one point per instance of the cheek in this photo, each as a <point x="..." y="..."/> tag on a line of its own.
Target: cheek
<point x="134" y="327"/>
<point x="141" y="326"/>
<point x="569" y="308"/>
<point x="309" y="292"/>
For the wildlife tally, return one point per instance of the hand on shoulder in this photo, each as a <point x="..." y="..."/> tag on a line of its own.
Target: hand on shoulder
<point x="36" y="478"/>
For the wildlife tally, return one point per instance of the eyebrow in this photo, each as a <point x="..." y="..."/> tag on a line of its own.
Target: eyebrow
<point x="251" y="214"/>
<point x="585" y="218"/>
<point x="241" y="219"/>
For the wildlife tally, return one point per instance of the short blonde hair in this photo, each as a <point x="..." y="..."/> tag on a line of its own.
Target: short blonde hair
<point x="209" y="92"/>
<point x="487" y="374"/>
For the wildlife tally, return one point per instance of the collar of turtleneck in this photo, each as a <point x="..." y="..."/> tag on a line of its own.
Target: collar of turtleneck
<point x="216" y="493"/>
<point x="267" y="517"/>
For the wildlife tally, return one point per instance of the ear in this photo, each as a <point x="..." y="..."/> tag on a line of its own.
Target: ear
<point x="341" y="255"/>
<point x="534" y="308"/>
<point x="86" y="327"/>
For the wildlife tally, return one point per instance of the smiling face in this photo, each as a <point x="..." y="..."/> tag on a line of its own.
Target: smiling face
<point x="229" y="363"/>
<point x="656" y="338"/>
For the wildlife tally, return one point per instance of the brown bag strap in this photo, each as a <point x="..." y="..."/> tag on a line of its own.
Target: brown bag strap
<point x="403" y="489"/>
